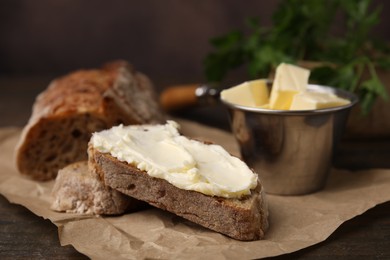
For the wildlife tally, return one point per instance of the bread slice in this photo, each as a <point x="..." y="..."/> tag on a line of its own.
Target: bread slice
<point x="74" y="106"/>
<point x="242" y="219"/>
<point x="78" y="190"/>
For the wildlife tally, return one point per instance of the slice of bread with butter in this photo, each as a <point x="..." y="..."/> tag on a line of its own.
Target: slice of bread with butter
<point x="192" y="179"/>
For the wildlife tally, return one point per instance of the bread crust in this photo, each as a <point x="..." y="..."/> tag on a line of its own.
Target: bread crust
<point x="242" y="219"/>
<point x="76" y="105"/>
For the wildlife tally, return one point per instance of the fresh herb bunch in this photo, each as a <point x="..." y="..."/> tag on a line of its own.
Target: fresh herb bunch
<point x="307" y="31"/>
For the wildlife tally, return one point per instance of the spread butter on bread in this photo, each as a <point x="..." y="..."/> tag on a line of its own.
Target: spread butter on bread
<point x="198" y="181"/>
<point x="74" y="106"/>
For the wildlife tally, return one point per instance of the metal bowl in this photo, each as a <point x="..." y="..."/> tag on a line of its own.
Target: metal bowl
<point x="290" y="150"/>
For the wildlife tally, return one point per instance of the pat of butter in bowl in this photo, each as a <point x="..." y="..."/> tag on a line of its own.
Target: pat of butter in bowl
<point x="289" y="92"/>
<point x="252" y="93"/>
<point x="163" y="153"/>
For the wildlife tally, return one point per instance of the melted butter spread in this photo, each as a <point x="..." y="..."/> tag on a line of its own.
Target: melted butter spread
<point x="162" y="152"/>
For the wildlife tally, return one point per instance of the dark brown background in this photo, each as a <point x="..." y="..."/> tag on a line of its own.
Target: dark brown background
<point x="165" y="39"/>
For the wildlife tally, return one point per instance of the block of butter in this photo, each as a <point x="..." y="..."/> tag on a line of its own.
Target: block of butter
<point x="251" y="93"/>
<point x="289" y="81"/>
<point x="309" y="100"/>
<point x="289" y="92"/>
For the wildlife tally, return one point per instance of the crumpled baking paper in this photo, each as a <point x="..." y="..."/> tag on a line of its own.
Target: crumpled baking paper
<point x="296" y="222"/>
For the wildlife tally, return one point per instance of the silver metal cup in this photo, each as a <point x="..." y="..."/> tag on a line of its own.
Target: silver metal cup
<point x="290" y="150"/>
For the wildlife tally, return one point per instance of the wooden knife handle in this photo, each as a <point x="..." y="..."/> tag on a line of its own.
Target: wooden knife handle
<point x="178" y="96"/>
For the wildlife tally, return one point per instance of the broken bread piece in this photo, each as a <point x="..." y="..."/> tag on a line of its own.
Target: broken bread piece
<point x="79" y="190"/>
<point x="76" y="105"/>
<point x="197" y="181"/>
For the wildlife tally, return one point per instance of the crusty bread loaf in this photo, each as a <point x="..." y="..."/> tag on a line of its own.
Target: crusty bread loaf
<point x="78" y="190"/>
<point x="242" y="219"/>
<point x="74" y="106"/>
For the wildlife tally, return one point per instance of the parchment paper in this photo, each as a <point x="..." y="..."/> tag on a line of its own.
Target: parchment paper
<point x="296" y="222"/>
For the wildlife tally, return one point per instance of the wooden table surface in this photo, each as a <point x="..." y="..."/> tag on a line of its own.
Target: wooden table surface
<point x="24" y="235"/>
